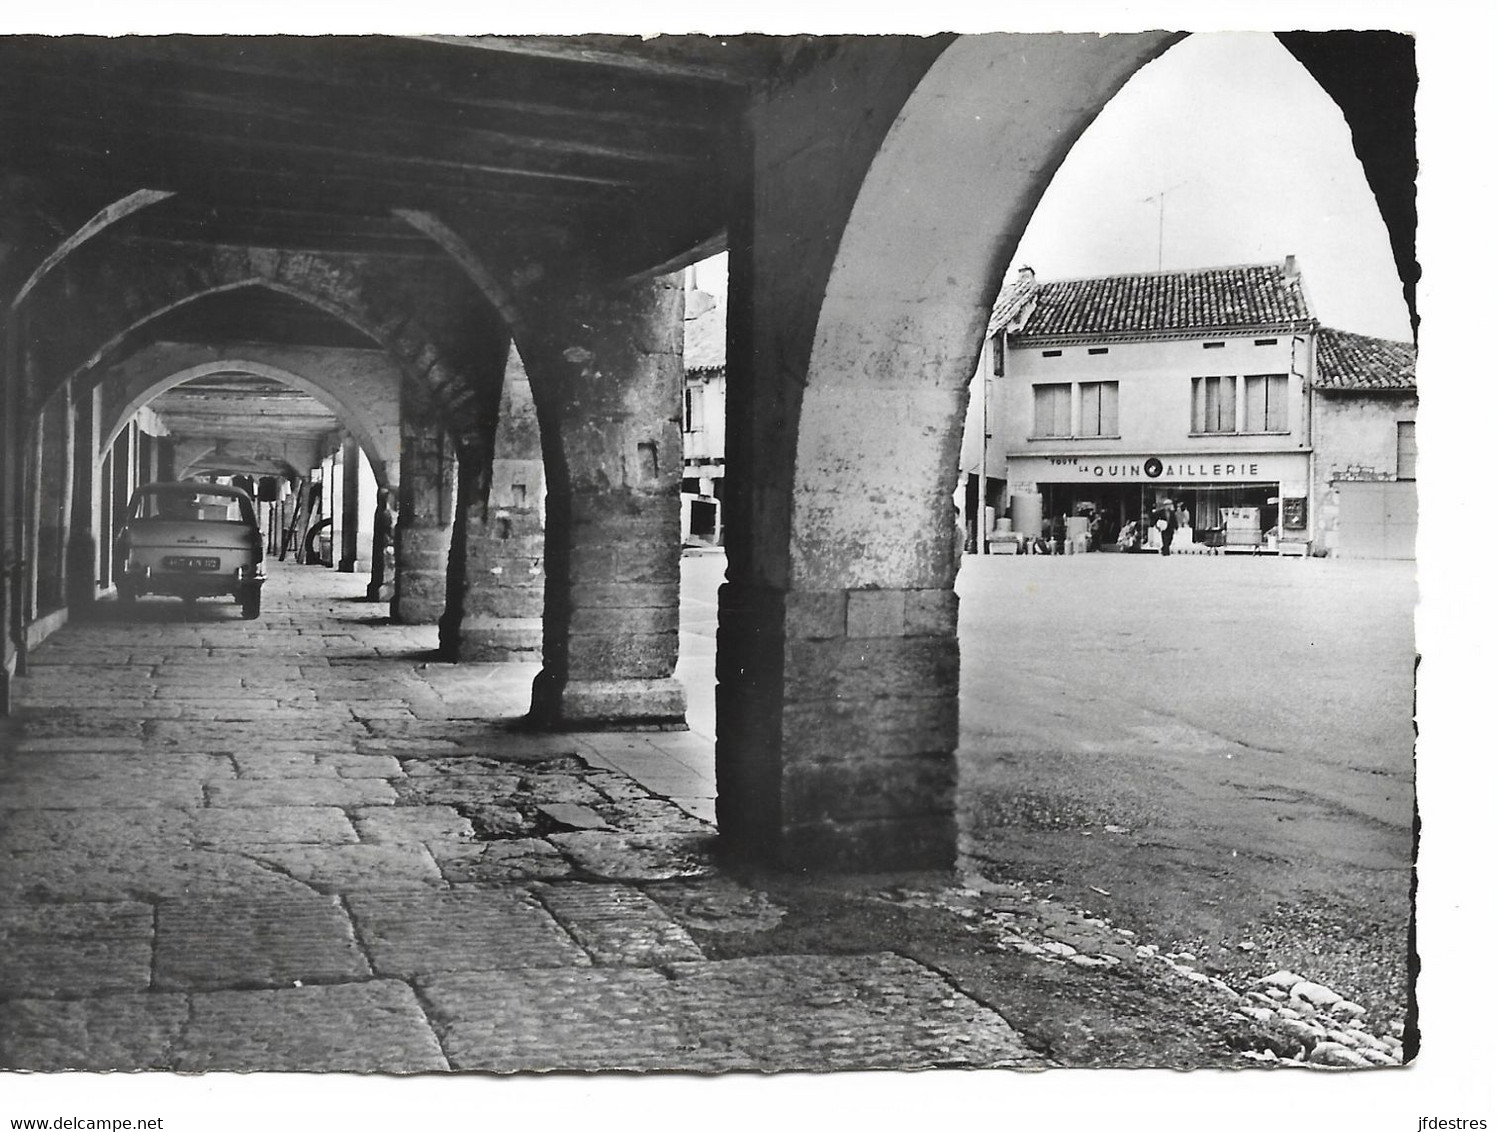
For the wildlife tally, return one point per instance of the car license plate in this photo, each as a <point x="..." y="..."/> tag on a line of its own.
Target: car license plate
<point x="184" y="563"/>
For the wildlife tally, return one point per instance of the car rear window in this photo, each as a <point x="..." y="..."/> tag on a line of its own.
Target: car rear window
<point x="183" y="506"/>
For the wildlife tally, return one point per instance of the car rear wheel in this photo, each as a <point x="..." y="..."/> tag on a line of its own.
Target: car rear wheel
<point x="249" y="605"/>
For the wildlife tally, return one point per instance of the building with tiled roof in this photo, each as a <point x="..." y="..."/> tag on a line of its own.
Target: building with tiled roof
<point x="1346" y="361"/>
<point x="1248" y="299"/>
<point x="1364" y="400"/>
<point x="1215" y="390"/>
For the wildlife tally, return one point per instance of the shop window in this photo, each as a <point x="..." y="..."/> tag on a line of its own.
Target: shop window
<point x="1213" y="405"/>
<point x="1266" y="403"/>
<point x="1052" y="410"/>
<point x="1099" y="408"/>
<point x="1408" y="450"/>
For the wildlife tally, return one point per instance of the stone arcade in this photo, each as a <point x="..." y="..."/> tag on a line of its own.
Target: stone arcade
<point x="466" y="251"/>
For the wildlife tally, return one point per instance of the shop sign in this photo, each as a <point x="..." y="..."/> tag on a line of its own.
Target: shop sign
<point x="1294" y="513"/>
<point x="1167" y="469"/>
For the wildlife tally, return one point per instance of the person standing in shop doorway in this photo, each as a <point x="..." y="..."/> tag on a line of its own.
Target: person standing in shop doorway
<point x="1166" y="522"/>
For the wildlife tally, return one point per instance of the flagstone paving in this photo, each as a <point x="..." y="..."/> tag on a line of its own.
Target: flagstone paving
<point x="303" y="843"/>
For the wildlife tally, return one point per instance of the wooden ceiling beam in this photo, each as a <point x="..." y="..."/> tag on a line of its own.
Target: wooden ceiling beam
<point x="706" y="60"/>
<point x="203" y="220"/>
<point x="248" y="178"/>
<point x="184" y="139"/>
<point x="399" y="68"/>
<point x="346" y="123"/>
<point x="283" y="228"/>
<point x="209" y="432"/>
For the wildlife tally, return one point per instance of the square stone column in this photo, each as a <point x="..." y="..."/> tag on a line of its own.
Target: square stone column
<point x="836" y="722"/>
<point x="606" y="363"/>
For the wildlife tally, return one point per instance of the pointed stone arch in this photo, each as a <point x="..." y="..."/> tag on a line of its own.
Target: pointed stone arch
<point x="111" y="213"/>
<point x="366" y="402"/>
<point x="103" y="294"/>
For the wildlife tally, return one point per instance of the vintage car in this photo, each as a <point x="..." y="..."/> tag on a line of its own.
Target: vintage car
<point x="191" y="540"/>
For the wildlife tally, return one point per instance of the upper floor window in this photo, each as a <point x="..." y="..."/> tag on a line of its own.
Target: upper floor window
<point x="1408" y="450"/>
<point x="691" y="415"/>
<point x="1052" y="410"/>
<point x="1265" y="403"/>
<point x="1213" y="404"/>
<point x="1099" y="408"/>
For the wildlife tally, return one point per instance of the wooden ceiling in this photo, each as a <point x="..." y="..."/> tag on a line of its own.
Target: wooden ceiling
<point x="242" y="406"/>
<point x="543" y="145"/>
<point x="313" y="143"/>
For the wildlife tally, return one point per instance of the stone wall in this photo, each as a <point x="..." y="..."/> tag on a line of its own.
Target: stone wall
<point x="1356" y="439"/>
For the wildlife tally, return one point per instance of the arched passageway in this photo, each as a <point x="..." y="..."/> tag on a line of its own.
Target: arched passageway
<point x="871" y="192"/>
<point x="363" y="393"/>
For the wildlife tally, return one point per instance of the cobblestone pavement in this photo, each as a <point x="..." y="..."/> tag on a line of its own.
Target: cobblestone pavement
<point x="301" y="843"/>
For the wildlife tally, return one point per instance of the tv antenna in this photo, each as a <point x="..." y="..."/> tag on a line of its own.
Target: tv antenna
<point x="1159" y="196"/>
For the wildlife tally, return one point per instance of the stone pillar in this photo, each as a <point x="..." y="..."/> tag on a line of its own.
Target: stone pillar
<point x="837" y="723"/>
<point x="606" y="363"/>
<point x="837" y="660"/>
<point x="83" y="546"/>
<point x="52" y="458"/>
<point x="497" y="581"/>
<point x="348" y="521"/>
<point x="423" y="527"/>
<point x="382" y="552"/>
<point x="12" y="510"/>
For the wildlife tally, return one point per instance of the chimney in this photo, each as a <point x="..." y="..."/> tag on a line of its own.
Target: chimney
<point x="1026" y="275"/>
<point x="1291" y="267"/>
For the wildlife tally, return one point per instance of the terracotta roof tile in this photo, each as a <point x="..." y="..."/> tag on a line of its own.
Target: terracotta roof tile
<point x="1225" y="299"/>
<point x="1011" y="302"/>
<point x="1354" y="361"/>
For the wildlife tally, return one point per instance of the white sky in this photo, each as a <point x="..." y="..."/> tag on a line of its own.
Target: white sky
<point x="1256" y="163"/>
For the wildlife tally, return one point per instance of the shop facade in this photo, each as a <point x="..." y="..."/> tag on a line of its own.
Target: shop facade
<point x="1225" y="500"/>
<point x="1107" y="398"/>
